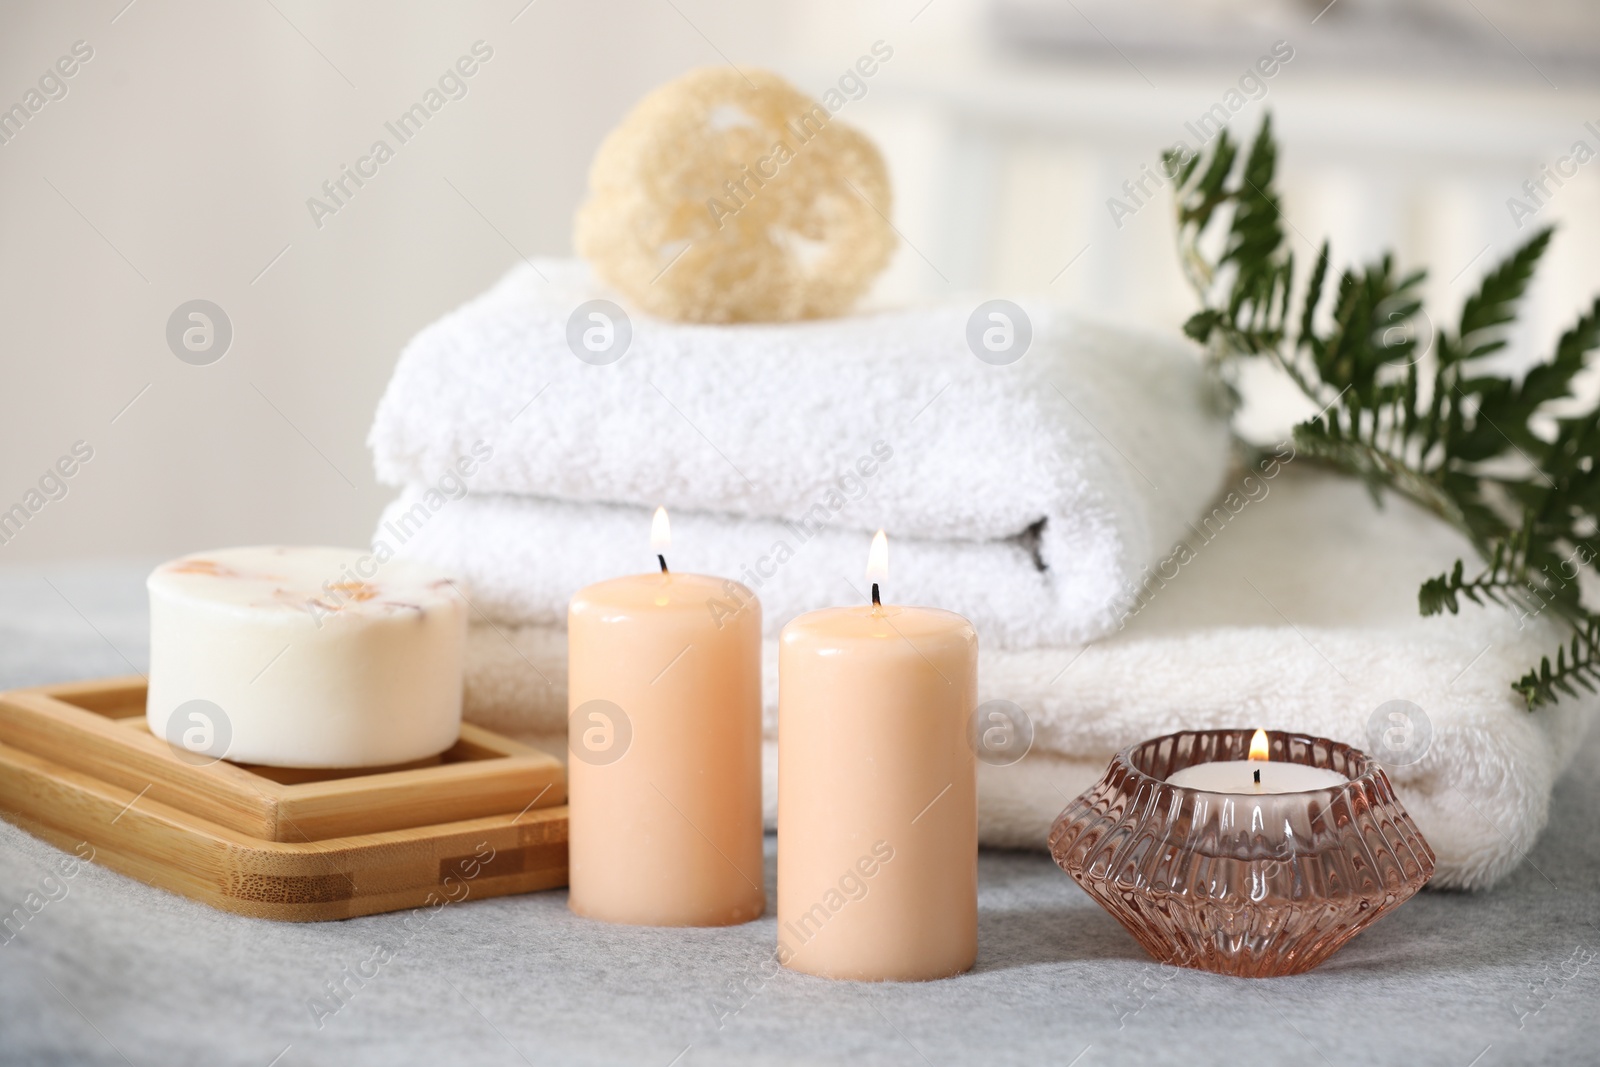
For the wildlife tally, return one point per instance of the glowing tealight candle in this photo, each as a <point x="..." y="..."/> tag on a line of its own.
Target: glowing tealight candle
<point x="1258" y="774"/>
<point x="664" y="747"/>
<point x="877" y="791"/>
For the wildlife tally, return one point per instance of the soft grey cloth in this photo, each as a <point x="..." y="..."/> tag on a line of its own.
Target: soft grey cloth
<point x="114" y="972"/>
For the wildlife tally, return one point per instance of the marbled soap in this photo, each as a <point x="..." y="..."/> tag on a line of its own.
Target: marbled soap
<point x="305" y="657"/>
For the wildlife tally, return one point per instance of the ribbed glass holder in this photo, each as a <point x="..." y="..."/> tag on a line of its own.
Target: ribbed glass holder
<point x="1255" y="885"/>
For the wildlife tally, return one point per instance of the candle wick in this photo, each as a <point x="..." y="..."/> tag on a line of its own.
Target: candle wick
<point x="663" y="560"/>
<point x="875" y="601"/>
<point x="1258" y="776"/>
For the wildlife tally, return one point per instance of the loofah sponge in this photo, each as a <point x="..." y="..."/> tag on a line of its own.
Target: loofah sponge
<point x="729" y="197"/>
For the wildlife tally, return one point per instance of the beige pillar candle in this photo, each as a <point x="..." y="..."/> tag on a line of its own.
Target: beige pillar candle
<point x="664" y="749"/>
<point x="877" y="791"/>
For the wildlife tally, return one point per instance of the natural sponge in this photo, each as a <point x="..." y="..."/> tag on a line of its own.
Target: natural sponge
<point x="733" y="197"/>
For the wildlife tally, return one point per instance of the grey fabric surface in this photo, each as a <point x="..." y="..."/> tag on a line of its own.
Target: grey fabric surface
<point x="112" y="971"/>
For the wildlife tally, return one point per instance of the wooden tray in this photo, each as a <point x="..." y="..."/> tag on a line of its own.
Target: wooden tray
<point x="99" y="728"/>
<point x="77" y="772"/>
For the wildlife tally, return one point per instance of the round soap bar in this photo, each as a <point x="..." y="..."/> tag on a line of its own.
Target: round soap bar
<point x="304" y="657"/>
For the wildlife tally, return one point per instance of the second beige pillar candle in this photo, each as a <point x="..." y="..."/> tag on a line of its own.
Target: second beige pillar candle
<point x="877" y="794"/>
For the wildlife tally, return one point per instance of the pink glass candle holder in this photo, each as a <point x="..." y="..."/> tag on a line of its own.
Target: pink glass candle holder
<point x="1255" y="885"/>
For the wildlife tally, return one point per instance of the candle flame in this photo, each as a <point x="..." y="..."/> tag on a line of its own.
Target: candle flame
<point x="878" y="558"/>
<point x="660" y="532"/>
<point x="1258" y="746"/>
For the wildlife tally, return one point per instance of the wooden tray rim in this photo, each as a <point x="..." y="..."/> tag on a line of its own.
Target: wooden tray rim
<point x="53" y="699"/>
<point x="219" y="857"/>
<point x="96" y="728"/>
<point x="215" y="833"/>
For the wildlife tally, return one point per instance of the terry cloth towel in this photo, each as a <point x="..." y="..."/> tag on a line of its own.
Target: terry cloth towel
<point x="1086" y="457"/>
<point x="1300" y="614"/>
<point x="523" y="558"/>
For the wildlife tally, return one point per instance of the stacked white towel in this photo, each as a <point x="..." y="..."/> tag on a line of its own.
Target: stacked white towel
<point x="1030" y="496"/>
<point x="1042" y="499"/>
<point x="1299" y="614"/>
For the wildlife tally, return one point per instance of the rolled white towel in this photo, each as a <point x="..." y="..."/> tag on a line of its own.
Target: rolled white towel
<point x="1299" y="615"/>
<point x="1100" y="444"/>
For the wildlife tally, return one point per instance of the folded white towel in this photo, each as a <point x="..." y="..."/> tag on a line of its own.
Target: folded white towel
<point x="522" y="558"/>
<point x="1090" y="454"/>
<point x="1299" y="614"/>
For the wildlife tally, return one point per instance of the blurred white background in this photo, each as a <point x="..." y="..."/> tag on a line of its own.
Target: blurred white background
<point x="179" y="161"/>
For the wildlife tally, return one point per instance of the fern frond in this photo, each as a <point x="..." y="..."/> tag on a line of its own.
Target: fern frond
<point x="1494" y="304"/>
<point x="1577" y="664"/>
<point x="1504" y="581"/>
<point x="1513" y="464"/>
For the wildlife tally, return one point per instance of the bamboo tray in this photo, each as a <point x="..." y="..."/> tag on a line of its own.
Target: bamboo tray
<point x="77" y="767"/>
